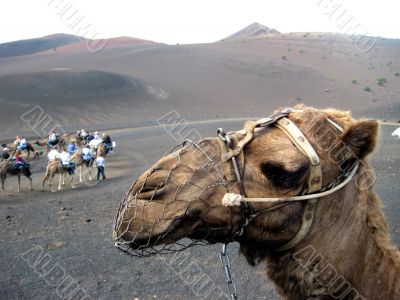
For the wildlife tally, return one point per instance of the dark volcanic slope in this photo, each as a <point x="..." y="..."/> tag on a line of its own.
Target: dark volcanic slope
<point x="35" y="45"/>
<point x="73" y="96"/>
<point x="236" y="79"/>
<point x="71" y="87"/>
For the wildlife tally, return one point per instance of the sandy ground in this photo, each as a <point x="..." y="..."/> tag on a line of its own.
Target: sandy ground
<point x="126" y="90"/>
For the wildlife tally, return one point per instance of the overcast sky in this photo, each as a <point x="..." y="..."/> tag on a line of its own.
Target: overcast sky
<point x="186" y="21"/>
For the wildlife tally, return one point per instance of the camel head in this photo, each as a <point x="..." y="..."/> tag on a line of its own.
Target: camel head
<point x="178" y="201"/>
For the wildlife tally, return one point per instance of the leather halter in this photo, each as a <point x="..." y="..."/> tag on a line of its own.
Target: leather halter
<point x="314" y="183"/>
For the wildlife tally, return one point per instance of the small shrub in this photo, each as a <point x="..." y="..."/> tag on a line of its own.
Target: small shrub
<point x="397" y="74"/>
<point x="367" y="89"/>
<point x="354" y="81"/>
<point x="284" y="57"/>
<point x="301" y="51"/>
<point x="381" y="81"/>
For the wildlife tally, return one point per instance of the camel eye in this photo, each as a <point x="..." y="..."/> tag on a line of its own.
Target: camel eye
<point x="282" y="177"/>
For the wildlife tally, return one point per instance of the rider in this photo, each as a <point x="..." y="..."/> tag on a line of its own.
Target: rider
<point x="71" y="148"/>
<point x="93" y="144"/>
<point x="5" y="153"/>
<point x="53" y="154"/>
<point x="52" y="138"/>
<point x="17" y="140"/>
<point x="107" y="142"/>
<point x="86" y="155"/>
<point x="23" y="144"/>
<point x="19" y="161"/>
<point x="96" y="135"/>
<point x="89" y="137"/>
<point x="66" y="162"/>
<point x="83" y="133"/>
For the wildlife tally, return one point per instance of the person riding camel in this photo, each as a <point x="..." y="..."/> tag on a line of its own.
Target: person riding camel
<point x="5" y="153"/>
<point x="20" y="163"/>
<point x="17" y="140"/>
<point x="87" y="136"/>
<point x="107" y="142"/>
<point x="93" y="144"/>
<point x="53" y="154"/>
<point x="52" y="139"/>
<point x="71" y="148"/>
<point x="23" y="144"/>
<point x="97" y="135"/>
<point x="66" y="162"/>
<point x="86" y="155"/>
<point x="83" y="133"/>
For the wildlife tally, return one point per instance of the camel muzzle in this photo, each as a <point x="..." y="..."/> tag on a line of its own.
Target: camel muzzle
<point x="152" y="215"/>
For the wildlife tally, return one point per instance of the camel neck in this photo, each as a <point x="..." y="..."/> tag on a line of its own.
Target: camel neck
<point x="347" y="255"/>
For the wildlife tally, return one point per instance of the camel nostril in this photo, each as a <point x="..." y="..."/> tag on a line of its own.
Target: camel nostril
<point x="148" y="193"/>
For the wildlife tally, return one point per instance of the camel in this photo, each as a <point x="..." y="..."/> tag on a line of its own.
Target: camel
<point x="79" y="162"/>
<point x="346" y="251"/>
<point x="7" y="168"/>
<point x="54" y="167"/>
<point x="72" y="138"/>
<point x="101" y="150"/>
<point x="63" y="139"/>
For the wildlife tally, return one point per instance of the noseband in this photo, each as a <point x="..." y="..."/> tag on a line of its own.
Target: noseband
<point x="314" y="189"/>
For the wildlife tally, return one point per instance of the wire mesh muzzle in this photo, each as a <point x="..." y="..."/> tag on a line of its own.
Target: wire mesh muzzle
<point x="156" y="214"/>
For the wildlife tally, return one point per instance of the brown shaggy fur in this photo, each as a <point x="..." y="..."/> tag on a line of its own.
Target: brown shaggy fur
<point x="346" y="255"/>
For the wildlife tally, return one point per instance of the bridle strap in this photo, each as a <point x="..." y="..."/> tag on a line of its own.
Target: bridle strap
<point x="314" y="177"/>
<point x="307" y="220"/>
<point x="314" y="183"/>
<point x="301" y="142"/>
<point x="248" y="130"/>
<point x="232" y="199"/>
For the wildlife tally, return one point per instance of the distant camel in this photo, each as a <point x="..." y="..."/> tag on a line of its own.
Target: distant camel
<point x="55" y="167"/>
<point x="101" y="150"/>
<point x="79" y="162"/>
<point x="64" y="139"/>
<point x="293" y="189"/>
<point x="8" y="168"/>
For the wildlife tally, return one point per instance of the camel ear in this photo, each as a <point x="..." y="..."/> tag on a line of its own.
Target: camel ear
<point x="361" y="137"/>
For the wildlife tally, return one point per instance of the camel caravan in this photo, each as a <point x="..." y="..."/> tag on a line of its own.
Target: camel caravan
<point x="65" y="153"/>
<point x="295" y="190"/>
